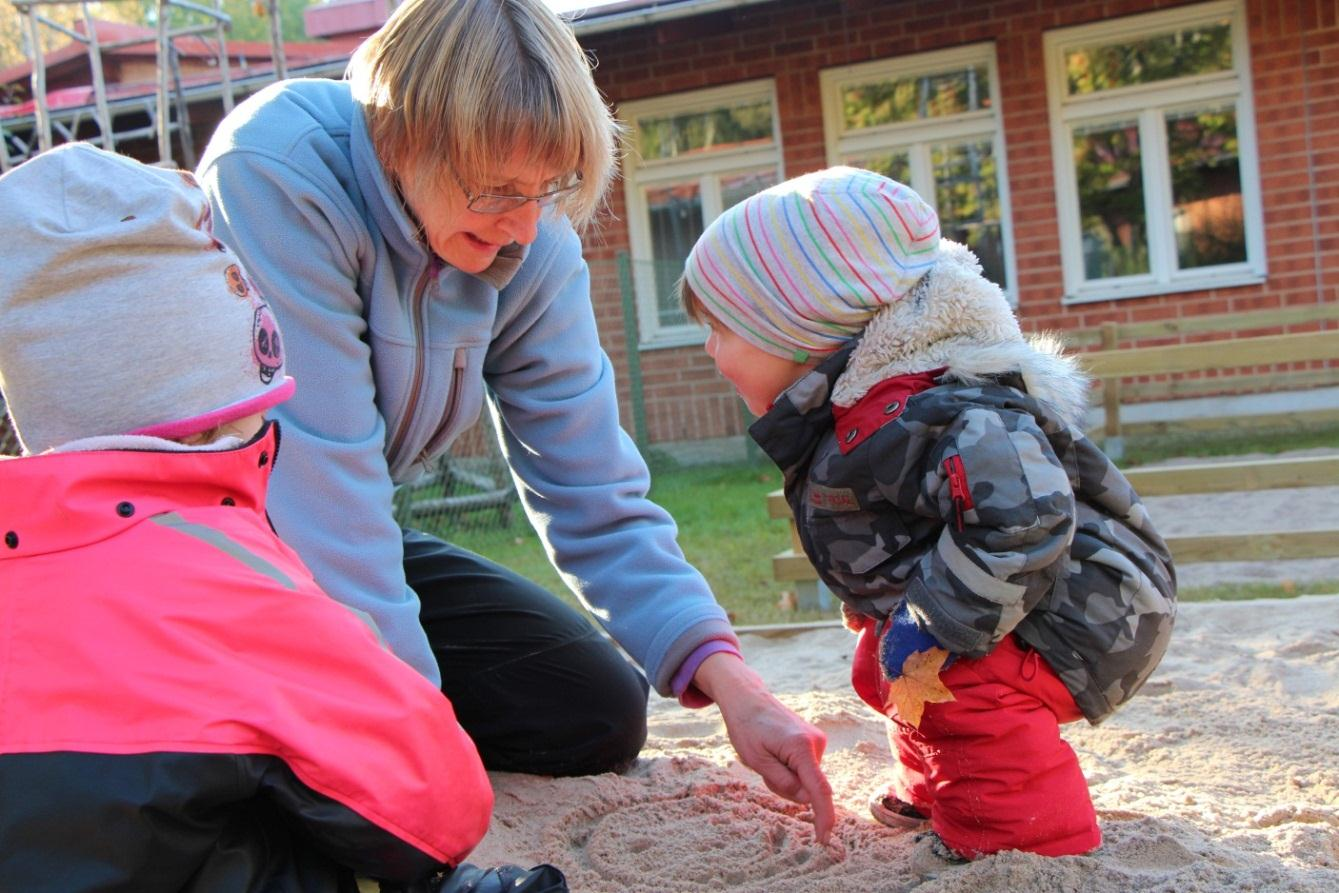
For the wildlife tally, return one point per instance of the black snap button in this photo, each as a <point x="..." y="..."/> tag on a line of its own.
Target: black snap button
<point x="125" y="509"/>
<point x="264" y="459"/>
<point x="12" y="539"/>
<point x="228" y="500"/>
<point x="851" y="435"/>
<point x="892" y="407"/>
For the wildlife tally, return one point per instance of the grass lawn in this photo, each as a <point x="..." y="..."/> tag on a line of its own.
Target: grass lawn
<point x="725" y="532"/>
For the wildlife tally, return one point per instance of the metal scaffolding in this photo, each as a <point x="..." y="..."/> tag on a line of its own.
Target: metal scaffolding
<point x="165" y="109"/>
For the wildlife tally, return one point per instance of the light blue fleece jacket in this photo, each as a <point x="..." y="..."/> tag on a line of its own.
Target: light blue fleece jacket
<point x="394" y="356"/>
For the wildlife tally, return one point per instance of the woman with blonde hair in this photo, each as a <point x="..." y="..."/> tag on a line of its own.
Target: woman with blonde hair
<point x="415" y="229"/>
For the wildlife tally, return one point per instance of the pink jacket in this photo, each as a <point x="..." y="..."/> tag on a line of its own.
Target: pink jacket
<point x="181" y="707"/>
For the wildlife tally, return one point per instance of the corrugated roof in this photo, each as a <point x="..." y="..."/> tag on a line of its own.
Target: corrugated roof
<point x="188" y="47"/>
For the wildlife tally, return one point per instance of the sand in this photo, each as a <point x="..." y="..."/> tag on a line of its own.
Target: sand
<point x="1287" y="509"/>
<point x="1221" y="775"/>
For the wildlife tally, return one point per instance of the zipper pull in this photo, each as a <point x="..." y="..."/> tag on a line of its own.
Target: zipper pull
<point x="958" y="489"/>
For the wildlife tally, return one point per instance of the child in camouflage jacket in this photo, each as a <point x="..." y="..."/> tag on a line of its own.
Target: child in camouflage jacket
<point x="1002" y="574"/>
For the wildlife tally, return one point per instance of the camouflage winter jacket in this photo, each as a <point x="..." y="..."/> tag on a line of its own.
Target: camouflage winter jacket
<point x="980" y="503"/>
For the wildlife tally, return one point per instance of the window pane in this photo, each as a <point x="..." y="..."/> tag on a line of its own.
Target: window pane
<point x="676" y="221"/>
<point x="896" y="165"/>
<point x="1109" y="171"/>
<point x="737" y="187"/>
<point x="1206" y="188"/>
<point x="1200" y="49"/>
<point x="937" y="95"/>
<point x="747" y="123"/>
<point x="967" y="197"/>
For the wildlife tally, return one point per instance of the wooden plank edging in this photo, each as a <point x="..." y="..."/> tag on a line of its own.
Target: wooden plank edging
<point x="1267" y="350"/>
<point x="1223" y="477"/>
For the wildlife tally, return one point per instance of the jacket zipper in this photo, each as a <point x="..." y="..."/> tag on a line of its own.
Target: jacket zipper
<point x="958" y="489"/>
<point x="416" y="380"/>
<point x="458" y="363"/>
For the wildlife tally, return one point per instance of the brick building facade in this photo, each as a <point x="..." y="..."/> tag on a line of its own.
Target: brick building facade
<point x="1122" y="161"/>
<point x="1282" y="107"/>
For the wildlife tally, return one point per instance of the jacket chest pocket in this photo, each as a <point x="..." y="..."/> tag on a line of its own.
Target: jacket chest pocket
<point x="428" y="396"/>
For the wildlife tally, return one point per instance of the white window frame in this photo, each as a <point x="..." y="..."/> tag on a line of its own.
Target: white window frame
<point x="916" y="138"/>
<point x="1149" y="104"/>
<point x="640" y="173"/>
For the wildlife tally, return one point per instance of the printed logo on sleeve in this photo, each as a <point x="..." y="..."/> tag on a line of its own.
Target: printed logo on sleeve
<point x="832" y="499"/>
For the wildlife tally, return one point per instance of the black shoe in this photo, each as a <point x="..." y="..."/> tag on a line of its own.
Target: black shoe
<point x="503" y="879"/>
<point x="940" y="850"/>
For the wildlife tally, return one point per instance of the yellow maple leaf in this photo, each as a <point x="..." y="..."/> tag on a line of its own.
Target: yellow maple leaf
<point x="918" y="685"/>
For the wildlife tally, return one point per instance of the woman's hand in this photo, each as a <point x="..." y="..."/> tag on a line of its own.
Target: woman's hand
<point x="770" y="739"/>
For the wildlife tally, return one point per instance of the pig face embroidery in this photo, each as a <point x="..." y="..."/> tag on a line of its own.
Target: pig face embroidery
<point x="265" y="343"/>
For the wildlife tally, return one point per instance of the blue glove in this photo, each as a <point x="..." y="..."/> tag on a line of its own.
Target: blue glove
<point x="903" y="638"/>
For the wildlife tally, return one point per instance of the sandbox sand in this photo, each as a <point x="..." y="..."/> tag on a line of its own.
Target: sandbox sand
<point x="1222" y="775"/>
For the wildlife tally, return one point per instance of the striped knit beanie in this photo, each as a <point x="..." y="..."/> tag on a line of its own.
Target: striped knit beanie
<point x="799" y="269"/>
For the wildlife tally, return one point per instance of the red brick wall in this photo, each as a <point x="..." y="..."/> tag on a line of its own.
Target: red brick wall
<point x="1294" y="48"/>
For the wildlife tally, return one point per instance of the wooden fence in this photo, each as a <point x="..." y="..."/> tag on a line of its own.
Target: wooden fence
<point x="1163" y="367"/>
<point x="1263" y="543"/>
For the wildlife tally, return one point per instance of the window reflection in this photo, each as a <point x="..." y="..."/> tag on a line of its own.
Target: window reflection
<point x="737" y="187"/>
<point x="1206" y="188"/>
<point x="937" y="95"/>
<point x="1108" y="163"/>
<point x="1190" y="51"/>
<point x="968" y="201"/>
<point x="732" y="127"/>
<point x="894" y="165"/>
<point x="676" y="222"/>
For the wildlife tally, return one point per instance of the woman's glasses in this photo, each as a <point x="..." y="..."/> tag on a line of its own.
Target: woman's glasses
<point x="493" y="203"/>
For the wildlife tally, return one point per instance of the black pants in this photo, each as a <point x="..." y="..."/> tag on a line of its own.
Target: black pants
<point x="535" y="685"/>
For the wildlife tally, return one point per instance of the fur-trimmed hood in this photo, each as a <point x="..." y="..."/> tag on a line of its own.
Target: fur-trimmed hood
<point x="956" y="318"/>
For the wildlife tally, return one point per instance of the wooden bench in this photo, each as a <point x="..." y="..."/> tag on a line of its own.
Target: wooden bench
<point x="792" y="566"/>
<point x="1262" y="544"/>
<point x="1167" y="364"/>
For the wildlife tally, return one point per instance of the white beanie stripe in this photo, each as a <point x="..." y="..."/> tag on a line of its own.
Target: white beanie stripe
<point x="734" y="313"/>
<point x="797" y="299"/>
<point x="919" y="226"/>
<point x="820" y="310"/>
<point x="826" y="256"/>
<point x="866" y="258"/>
<point x="743" y="254"/>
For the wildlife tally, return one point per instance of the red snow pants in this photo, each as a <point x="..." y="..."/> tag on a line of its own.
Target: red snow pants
<point x="990" y="768"/>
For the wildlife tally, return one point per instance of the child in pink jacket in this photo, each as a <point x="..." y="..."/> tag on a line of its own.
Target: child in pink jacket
<point x="181" y="707"/>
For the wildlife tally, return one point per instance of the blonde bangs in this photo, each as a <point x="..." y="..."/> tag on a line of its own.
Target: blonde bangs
<point x="452" y="86"/>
